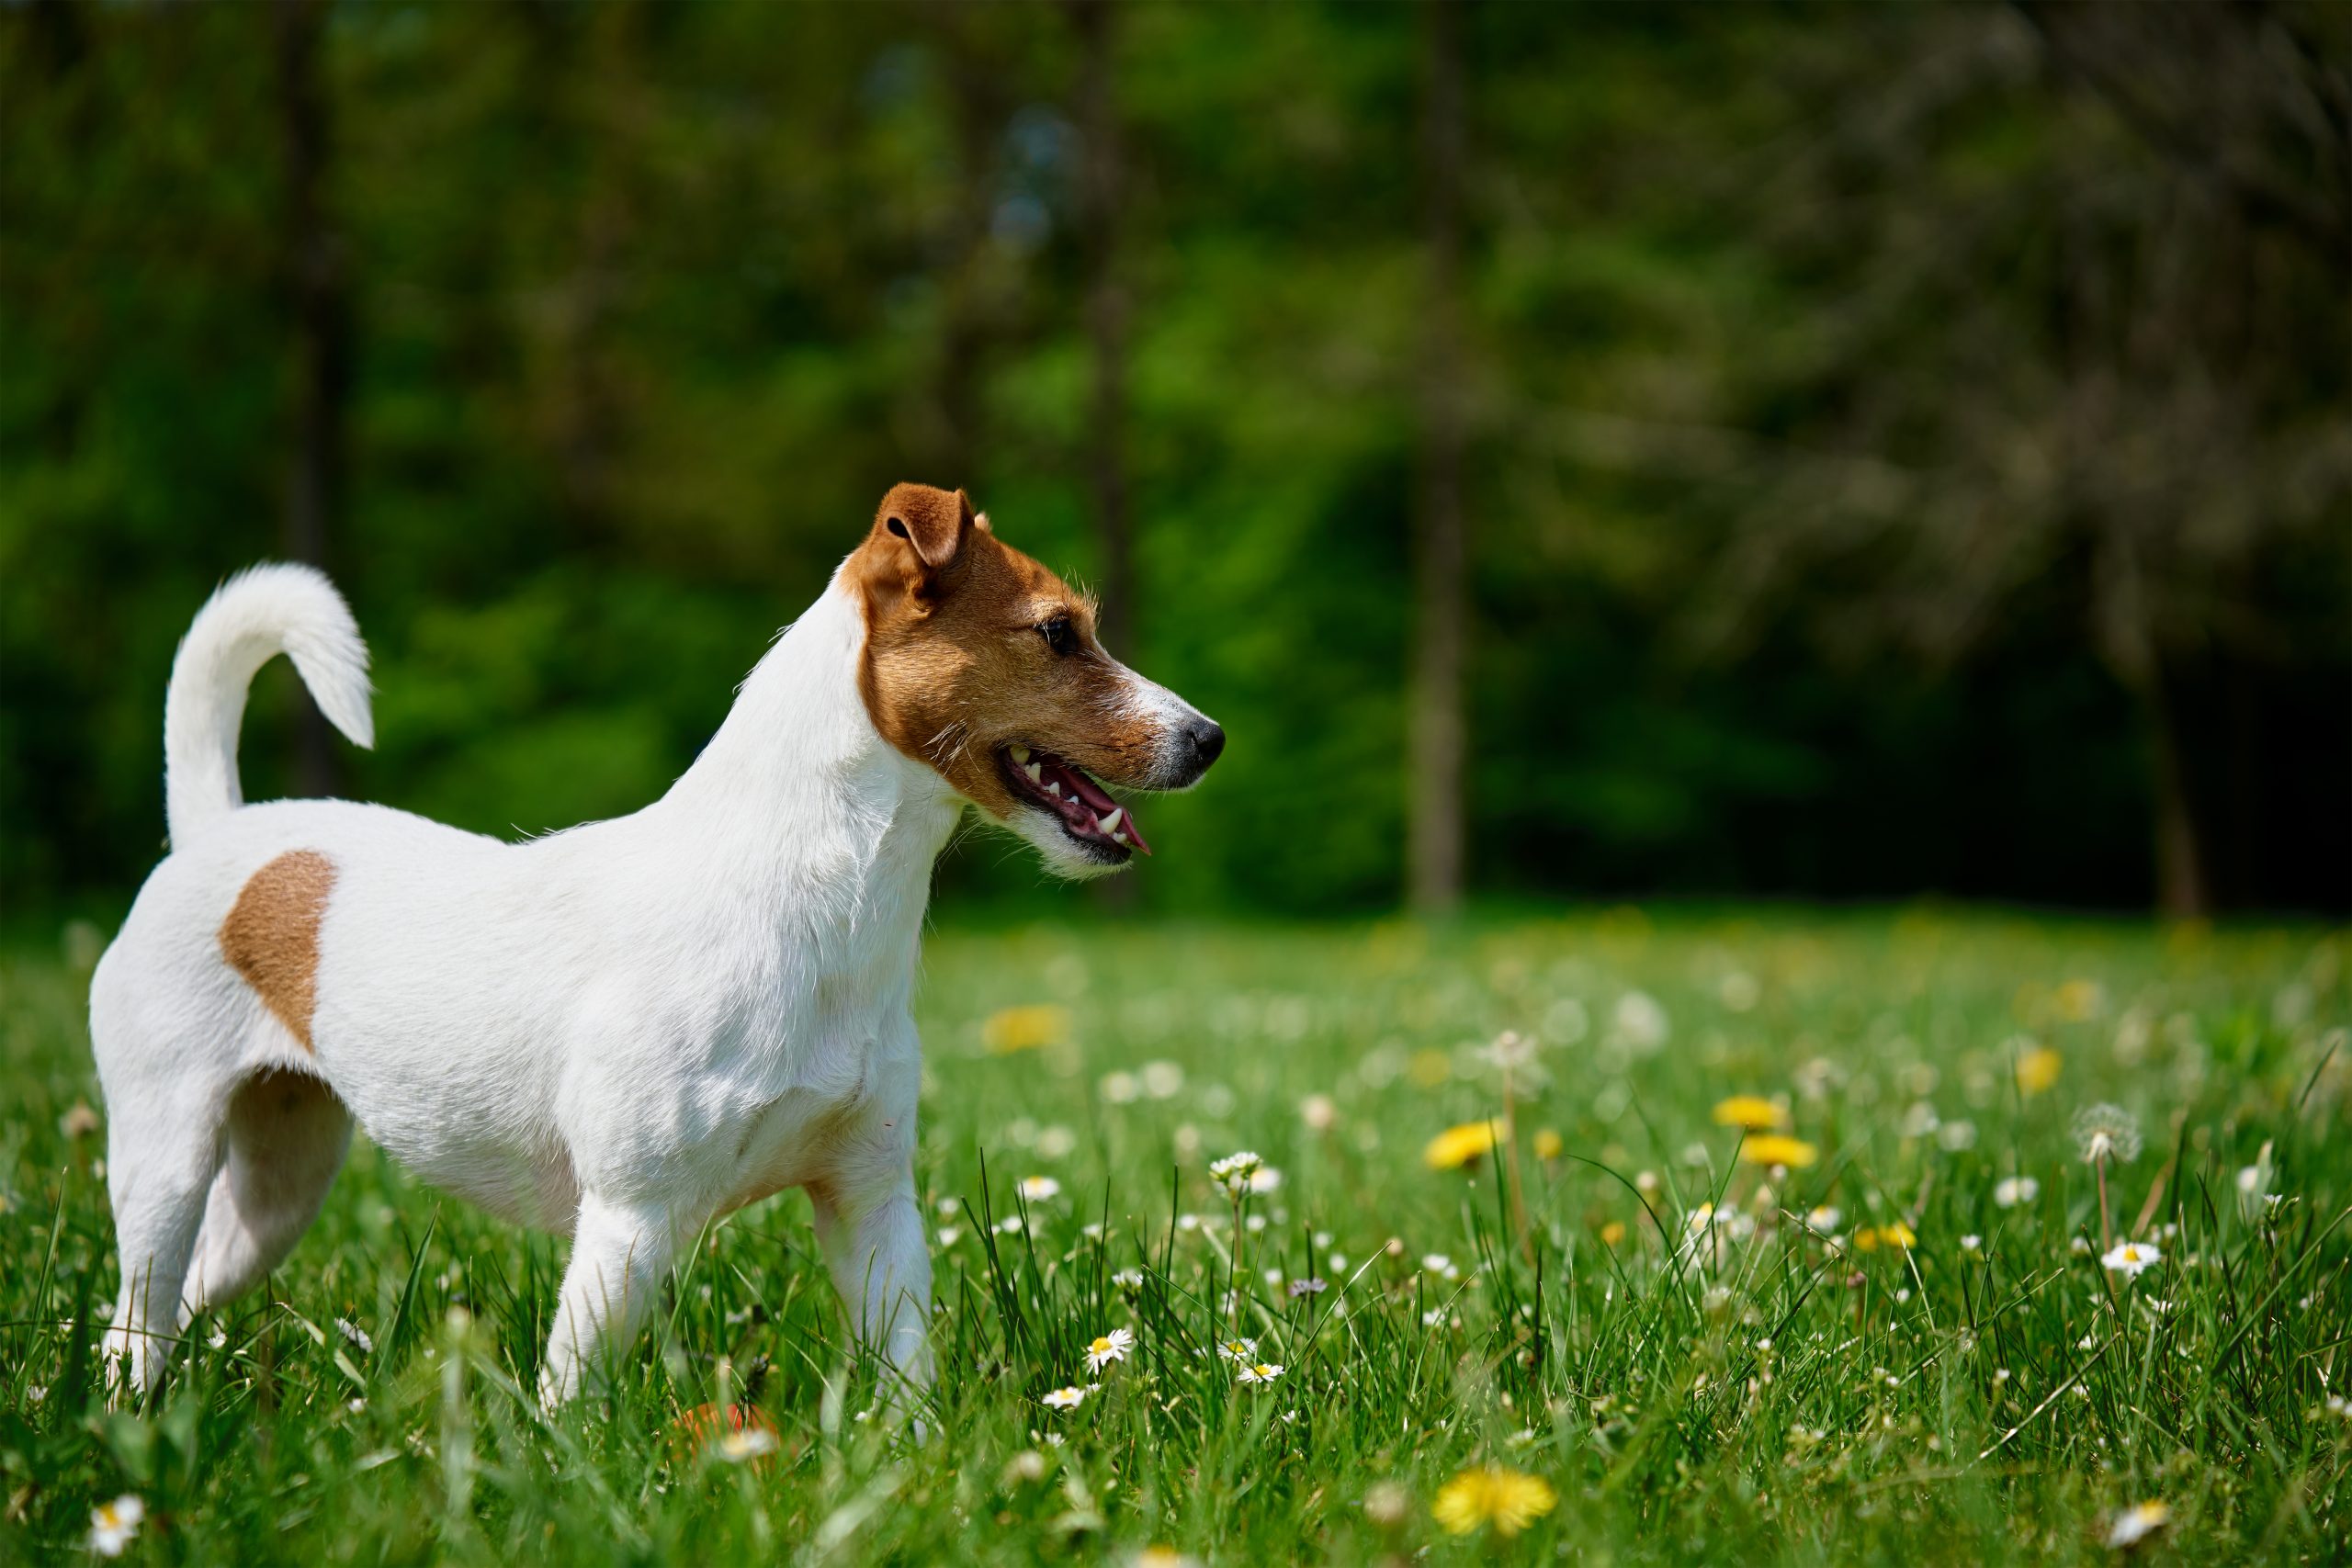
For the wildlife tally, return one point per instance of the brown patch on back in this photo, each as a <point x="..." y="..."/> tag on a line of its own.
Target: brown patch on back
<point x="271" y="936"/>
<point x="954" y="667"/>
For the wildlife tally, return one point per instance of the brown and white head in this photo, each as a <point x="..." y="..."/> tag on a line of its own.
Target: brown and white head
<point x="985" y="665"/>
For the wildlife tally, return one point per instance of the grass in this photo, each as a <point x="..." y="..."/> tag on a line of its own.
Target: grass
<point x="1745" y="1392"/>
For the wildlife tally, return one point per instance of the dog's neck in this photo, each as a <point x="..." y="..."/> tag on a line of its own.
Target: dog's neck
<point x="800" y="796"/>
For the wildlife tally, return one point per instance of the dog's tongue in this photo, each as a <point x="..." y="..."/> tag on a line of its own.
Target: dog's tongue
<point x="1090" y="795"/>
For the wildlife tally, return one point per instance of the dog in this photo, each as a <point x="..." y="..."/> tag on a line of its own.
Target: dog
<point x="628" y="1028"/>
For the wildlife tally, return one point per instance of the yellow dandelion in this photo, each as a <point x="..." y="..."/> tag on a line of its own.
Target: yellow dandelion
<point x="1778" y="1149"/>
<point x="1457" y="1147"/>
<point x="1548" y="1144"/>
<point x="1752" y="1112"/>
<point x="2038" y="1069"/>
<point x="1025" y="1028"/>
<point x="1508" y="1499"/>
<point x="1898" y="1235"/>
<point x="1612" y="1233"/>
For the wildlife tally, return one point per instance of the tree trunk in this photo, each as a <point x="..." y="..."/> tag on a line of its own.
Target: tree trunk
<point x="317" y="295"/>
<point x="2183" y="892"/>
<point x="1440" y="552"/>
<point x="1106" y="321"/>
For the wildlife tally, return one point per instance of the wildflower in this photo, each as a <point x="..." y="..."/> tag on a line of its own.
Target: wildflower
<point x="1162" y="1557"/>
<point x="1439" y="1263"/>
<point x="2080" y="1246"/>
<point x="1778" y="1149"/>
<point x="1548" y="1144"/>
<point x="1458" y="1145"/>
<point x="1896" y="1235"/>
<point x="1026" y="1465"/>
<point x="2106" y="1132"/>
<point x="1262" y="1372"/>
<point x="79" y="1121"/>
<point x="1385" y="1503"/>
<point x="1750" y="1111"/>
<point x="2135" y="1523"/>
<point x="357" y="1335"/>
<point x="2012" y="1191"/>
<point x="1009" y="1226"/>
<point x="2131" y="1258"/>
<point x="1308" y="1287"/>
<point x="1921" y="1120"/>
<point x="1511" y="1051"/>
<point x="1508" y="1499"/>
<point x="1238" y="1350"/>
<point x="1319" y="1112"/>
<point x="2254" y="1185"/>
<point x="113" y="1524"/>
<point x="1433" y="1318"/>
<point x="1120" y="1089"/>
<point x="2037" y="1067"/>
<point x="1971" y="1244"/>
<point x="1037" y="1189"/>
<point x="1162" y="1080"/>
<point x="1109" y="1347"/>
<point x="1957" y="1136"/>
<point x="747" y="1443"/>
<point x="1265" y="1178"/>
<point x="1234" y="1171"/>
<point x="1025" y="1029"/>
<point x="1065" y="1399"/>
<point x="1612" y="1233"/>
<point x="1823" y="1218"/>
<point x="1641" y="1023"/>
<point x="950" y="1234"/>
<point x="1128" y="1279"/>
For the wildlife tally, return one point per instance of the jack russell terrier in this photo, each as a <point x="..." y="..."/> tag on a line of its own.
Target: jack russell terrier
<point x="630" y="1027"/>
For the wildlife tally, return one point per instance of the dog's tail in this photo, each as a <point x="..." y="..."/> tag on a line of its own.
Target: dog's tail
<point x="256" y="614"/>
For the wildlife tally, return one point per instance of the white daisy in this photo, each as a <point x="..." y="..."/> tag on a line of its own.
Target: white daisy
<point x="1109" y="1347"/>
<point x="1037" y="1189"/>
<point x="1065" y="1399"/>
<point x="113" y="1524"/>
<point x="1234" y="1170"/>
<point x="2135" y="1523"/>
<point x="1262" y="1372"/>
<point x="2016" y="1190"/>
<point x="749" y="1443"/>
<point x="2130" y="1258"/>
<point x="1238" y="1350"/>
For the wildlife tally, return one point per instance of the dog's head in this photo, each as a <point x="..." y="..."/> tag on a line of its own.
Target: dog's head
<point x="983" y="664"/>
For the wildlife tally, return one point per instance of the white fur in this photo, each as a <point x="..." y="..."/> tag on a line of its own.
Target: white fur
<point x="621" y="1031"/>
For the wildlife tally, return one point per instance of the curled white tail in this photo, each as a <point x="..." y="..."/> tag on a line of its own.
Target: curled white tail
<point x="256" y="615"/>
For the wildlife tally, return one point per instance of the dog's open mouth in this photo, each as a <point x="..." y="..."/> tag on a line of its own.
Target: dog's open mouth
<point x="1086" y="811"/>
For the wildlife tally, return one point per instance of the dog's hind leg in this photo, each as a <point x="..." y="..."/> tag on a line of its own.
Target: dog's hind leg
<point x="619" y="1254"/>
<point x="286" y="1135"/>
<point x="159" y="1169"/>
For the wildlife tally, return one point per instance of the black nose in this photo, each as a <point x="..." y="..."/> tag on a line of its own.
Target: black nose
<point x="1208" y="743"/>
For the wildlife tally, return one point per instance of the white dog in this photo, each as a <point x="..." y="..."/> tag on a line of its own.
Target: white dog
<point x="626" y="1028"/>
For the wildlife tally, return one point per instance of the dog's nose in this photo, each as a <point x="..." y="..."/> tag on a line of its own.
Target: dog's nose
<point x="1208" y="743"/>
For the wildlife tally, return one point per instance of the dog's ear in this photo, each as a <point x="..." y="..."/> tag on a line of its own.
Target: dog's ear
<point x="932" y="523"/>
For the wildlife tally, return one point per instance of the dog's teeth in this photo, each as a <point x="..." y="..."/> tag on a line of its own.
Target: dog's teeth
<point x="1054" y="790"/>
<point x="1021" y="754"/>
<point x="1120" y="836"/>
<point x="1111" y="824"/>
<point x="1034" y="769"/>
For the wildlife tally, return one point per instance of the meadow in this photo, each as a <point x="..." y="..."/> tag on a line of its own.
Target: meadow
<point x="1914" y="1235"/>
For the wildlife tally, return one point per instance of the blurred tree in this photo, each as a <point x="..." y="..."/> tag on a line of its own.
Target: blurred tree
<point x="315" y="288"/>
<point x="1441" y="551"/>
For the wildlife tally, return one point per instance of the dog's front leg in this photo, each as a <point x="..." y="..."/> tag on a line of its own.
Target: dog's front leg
<point x="872" y="1233"/>
<point x="619" y="1254"/>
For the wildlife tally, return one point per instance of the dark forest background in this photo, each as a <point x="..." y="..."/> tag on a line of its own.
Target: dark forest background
<point x="1588" y="450"/>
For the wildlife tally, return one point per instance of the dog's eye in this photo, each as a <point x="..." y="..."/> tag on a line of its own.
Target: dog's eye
<point x="1057" y="634"/>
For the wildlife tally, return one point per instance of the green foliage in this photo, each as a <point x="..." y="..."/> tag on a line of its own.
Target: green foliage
<point x="1786" y="329"/>
<point x="1988" y="1394"/>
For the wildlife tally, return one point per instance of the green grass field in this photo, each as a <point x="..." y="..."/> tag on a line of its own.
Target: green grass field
<point x="1733" y="1387"/>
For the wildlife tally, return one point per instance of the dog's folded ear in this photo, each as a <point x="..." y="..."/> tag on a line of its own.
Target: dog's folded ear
<point x="934" y="522"/>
